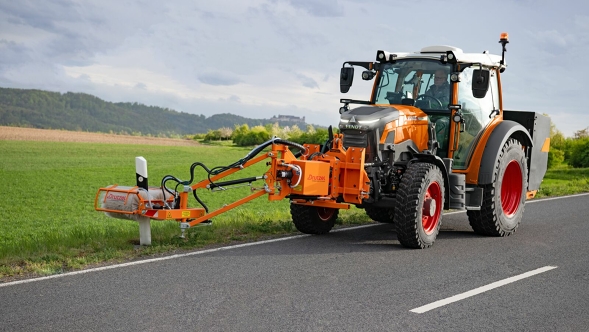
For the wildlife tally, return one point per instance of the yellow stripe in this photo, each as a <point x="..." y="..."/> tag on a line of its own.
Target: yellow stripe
<point x="546" y="145"/>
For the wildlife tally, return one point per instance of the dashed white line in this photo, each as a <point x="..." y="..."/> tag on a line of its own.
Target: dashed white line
<point x="480" y="290"/>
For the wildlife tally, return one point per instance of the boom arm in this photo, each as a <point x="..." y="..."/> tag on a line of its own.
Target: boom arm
<point x="333" y="179"/>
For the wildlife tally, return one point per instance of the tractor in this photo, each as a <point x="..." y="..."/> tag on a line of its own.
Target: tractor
<point x="433" y="136"/>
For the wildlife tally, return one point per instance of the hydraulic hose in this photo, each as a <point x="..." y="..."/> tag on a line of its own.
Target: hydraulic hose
<point x="219" y="169"/>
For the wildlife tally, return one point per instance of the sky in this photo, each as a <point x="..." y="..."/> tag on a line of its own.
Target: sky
<point x="262" y="58"/>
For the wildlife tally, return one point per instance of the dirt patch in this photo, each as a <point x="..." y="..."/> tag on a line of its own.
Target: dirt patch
<point x="33" y="134"/>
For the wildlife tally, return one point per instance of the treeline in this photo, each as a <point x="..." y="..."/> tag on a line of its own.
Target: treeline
<point x="573" y="151"/>
<point x="84" y="112"/>
<point x="563" y="151"/>
<point x="245" y="136"/>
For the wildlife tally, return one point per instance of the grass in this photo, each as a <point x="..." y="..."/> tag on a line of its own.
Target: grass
<point x="49" y="225"/>
<point x="564" y="180"/>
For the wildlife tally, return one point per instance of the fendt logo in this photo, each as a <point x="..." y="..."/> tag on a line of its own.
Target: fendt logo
<point x="349" y="126"/>
<point x="116" y="197"/>
<point x="316" y="178"/>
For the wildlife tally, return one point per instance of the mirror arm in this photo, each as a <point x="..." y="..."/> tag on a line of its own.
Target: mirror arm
<point x="364" y="64"/>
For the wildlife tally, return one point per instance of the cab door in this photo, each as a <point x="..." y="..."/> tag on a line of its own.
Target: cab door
<point x="478" y="111"/>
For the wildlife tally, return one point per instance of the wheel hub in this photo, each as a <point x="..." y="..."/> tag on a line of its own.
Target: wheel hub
<point x="429" y="207"/>
<point x="432" y="206"/>
<point x="511" y="189"/>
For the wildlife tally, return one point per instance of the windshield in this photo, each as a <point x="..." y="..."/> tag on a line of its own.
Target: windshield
<point x="422" y="83"/>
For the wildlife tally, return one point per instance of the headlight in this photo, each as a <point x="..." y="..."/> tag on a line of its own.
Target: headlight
<point x="368" y="121"/>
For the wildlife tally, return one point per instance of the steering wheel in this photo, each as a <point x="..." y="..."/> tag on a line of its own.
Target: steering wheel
<point x="432" y="97"/>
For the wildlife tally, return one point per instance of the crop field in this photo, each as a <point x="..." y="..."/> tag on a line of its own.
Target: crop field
<point x="49" y="181"/>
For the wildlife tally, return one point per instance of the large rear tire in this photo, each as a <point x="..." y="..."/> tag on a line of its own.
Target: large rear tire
<point x="420" y="201"/>
<point x="312" y="219"/>
<point x="503" y="199"/>
<point x="384" y="215"/>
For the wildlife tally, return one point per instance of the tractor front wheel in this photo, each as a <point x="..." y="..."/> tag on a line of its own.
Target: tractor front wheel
<point x="384" y="215"/>
<point x="420" y="201"/>
<point x="313" y="219"/>
<point x="504" y="198"/>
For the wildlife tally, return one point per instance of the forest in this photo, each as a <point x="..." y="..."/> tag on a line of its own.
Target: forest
<point x="84" y="112"/>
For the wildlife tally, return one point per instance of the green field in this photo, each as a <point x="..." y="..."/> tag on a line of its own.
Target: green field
<point x="49" y="225"/>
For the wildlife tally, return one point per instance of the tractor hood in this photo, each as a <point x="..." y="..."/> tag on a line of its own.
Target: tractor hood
<point x="367" y="118"/>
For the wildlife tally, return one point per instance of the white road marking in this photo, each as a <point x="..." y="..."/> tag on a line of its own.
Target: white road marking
<point x="145" y="261"/>
<point x="553" y="198"/>
<point x="480" y="290"/>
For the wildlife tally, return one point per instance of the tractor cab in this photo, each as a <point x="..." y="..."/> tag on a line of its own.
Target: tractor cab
<point x="458" y="93"/>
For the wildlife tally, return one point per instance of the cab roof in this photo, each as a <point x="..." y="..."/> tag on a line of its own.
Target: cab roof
<point x="436" y="51"/>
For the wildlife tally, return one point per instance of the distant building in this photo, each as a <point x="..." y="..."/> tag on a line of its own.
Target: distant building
<point x="288" y="118"/>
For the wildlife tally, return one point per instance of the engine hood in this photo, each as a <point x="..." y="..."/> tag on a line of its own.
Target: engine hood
<point x="367" y="118"/>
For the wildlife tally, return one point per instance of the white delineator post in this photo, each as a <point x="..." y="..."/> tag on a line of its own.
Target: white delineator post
<point x="144" y="222"/>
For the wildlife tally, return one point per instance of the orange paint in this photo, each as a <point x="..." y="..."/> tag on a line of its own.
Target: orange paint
<point x="546" y="145"/>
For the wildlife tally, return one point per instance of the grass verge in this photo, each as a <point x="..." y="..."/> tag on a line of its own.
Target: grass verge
<point x="49" y="225"/>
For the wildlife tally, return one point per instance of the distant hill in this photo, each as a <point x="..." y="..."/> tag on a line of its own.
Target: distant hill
<point x="84" y="112"/>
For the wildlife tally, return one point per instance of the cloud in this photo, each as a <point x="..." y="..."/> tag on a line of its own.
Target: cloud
<point x="552" y="38"/>
<point x="582" y="22"/>
<point x="218" y="79"/>
<point x="266" y="54"/>
<point x="308" y="81"/>
<point x="234" y="99"/>
<point x="327" y="8"/>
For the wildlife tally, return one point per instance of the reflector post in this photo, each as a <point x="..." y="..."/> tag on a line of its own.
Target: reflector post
<point x="141" y="172"/>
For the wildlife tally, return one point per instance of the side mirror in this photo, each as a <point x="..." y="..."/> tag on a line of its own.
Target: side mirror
<point x="345" y="79"/>
<point x="480" y="83"/>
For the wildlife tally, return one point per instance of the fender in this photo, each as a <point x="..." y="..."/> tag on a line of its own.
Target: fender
<point x="504" y="130"/>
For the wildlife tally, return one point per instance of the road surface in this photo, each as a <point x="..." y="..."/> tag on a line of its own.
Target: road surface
<point x="353" y="280"/>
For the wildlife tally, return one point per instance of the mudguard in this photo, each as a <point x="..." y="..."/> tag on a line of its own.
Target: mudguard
<point x="499" y="136"/>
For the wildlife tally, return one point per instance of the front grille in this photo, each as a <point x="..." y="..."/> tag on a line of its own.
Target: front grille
<point x="356" y="139"/>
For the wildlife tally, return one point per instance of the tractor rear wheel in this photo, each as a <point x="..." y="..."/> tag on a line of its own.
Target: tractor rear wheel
<point x="420" y="201"/>
<point x="313" y="219"/>
<point x="384" y="215"/>
<point x="503" y="199"/>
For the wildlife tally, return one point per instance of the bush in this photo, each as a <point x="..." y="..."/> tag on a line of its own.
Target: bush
<point x="318" y="136"/>
<point x="198" y="136"/>
<point x="243" y="136"/>
<point x="212" y="135"/>
<point x="579" y="153"/>
<point x="555" y="157"/>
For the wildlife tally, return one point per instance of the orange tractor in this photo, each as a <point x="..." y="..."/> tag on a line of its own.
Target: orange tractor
<point x="433" y="136"/>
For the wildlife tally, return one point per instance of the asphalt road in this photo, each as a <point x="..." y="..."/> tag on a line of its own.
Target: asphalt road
<point x="354" y="280"/>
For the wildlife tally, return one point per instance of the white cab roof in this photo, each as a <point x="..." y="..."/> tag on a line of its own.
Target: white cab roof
<point x="434" y="52"/>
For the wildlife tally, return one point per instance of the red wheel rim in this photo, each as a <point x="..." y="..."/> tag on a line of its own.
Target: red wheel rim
<point x="511" y="188"/>
<point x="432" y="207"/>
<point x="325" y="213"/>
